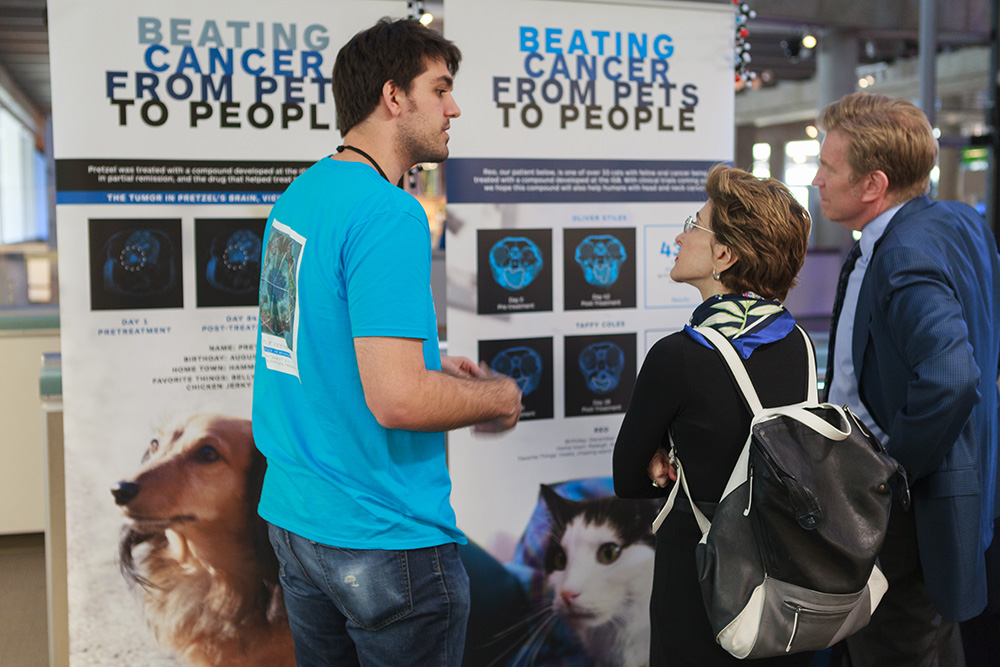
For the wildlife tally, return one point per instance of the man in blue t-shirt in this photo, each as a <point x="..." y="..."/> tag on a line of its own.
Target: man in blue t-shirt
<point x="351" y="395"/>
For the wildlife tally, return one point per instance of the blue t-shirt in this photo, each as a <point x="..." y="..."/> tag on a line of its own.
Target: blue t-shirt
<point x="346" y="255"/>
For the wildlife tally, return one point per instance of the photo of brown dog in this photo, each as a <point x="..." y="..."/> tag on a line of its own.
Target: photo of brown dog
<point x="196" y="550"/>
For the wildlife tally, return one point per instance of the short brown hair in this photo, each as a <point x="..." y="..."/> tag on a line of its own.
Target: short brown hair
<point x="388" y="51"/>
<point x="888" y="135"/>
<point x="765" y="227"/>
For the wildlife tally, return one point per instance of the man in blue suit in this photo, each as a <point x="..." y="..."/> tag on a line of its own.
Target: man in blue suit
<point x="915" y="344"/>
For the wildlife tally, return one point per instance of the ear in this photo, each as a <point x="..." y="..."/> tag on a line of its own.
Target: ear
<point x="392" y="98"/>
<point x="873" y="186"/>
<point x="557" y="505"/>
<point x="723" y="257"/>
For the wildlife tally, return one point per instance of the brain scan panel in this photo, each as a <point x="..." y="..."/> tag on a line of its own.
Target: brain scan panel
<point x="522" y="364"/>
<point x="139" y="262"/>
<point x="602" y="365"/>
<point x="234" y="264"/>
<point x="600" y="256"/>
<point x="515" y="262"/>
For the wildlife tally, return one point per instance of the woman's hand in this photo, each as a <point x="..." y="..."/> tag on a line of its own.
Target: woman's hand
<point x="660" y="469"/>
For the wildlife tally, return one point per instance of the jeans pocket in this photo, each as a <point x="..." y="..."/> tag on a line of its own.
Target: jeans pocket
<point x="372" y="586"/>
<point x="278" y="539"/>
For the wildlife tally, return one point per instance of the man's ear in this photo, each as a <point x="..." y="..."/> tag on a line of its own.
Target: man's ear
<point x="392" y="98"/>
<point x="874" y="185"/>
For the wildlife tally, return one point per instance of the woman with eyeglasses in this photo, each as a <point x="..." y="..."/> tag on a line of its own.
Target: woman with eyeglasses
<point x="742" y="252"/>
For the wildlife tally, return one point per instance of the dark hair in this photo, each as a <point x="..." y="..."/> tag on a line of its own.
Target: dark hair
<point x="388" y="51"/>
<point x="765" y="227"/>
<point x="888" y="135"/>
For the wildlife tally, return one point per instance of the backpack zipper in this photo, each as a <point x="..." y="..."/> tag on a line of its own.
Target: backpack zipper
<point x="799" y="609"/>
<point x="795" y="627"/>
<point x="746" y="512"/>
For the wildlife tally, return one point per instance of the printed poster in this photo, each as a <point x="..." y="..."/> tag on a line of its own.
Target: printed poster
<point x="176" y="126"/>
<point x="586" y="135"/>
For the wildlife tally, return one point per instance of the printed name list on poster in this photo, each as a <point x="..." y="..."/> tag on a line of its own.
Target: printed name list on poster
<point x="595" y="127"/>
<point x="172" y="140"/>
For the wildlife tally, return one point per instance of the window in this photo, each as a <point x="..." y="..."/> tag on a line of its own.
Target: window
<point x="801" y="163"/>
<point x="761" y="167"/>
<point x="23" y="215"/>
<point x="27" y="263"/>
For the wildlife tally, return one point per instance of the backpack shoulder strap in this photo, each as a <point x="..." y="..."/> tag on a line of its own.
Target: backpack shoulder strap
<point x="742" y="378"/>
<point x="812" y="391"/>
<point x="703" y="522"/>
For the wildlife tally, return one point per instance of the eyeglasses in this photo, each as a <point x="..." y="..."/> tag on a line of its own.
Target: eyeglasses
<point x="690" y="224"/>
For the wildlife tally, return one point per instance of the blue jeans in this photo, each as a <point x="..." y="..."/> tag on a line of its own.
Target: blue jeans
<point x="371" y="607"/>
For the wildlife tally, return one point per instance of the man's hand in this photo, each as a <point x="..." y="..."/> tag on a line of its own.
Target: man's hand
<point x="460" y="367"/>
<point x="507" y="421"/>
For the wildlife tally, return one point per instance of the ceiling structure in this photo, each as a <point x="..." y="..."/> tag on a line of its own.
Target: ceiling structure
<point x="886" y="30"/>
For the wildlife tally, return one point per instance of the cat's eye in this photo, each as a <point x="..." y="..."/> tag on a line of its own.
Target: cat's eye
<point x="555" y="559"/>
<point x="608" y="553"/>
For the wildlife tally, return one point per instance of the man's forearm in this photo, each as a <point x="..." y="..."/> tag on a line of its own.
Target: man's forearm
<point x="441" y="402"/>
<point x="403" y="394"/>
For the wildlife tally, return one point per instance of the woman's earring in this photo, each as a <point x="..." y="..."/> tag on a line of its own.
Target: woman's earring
<point x="716" y="276"/>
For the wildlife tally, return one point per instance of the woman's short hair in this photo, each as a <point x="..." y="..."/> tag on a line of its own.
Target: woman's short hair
<point x="765" y="227"/>
<point x="888" y="135"/>
<point x="388" y="51"/>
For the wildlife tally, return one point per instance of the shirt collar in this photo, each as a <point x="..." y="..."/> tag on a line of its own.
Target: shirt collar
<point x="872" y="232"/>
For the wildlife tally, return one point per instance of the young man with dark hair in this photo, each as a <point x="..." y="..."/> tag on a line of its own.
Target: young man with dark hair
<point x="351" y="394"/>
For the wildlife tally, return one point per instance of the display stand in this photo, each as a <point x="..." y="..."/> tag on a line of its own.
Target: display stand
<point x="50" y="386"/>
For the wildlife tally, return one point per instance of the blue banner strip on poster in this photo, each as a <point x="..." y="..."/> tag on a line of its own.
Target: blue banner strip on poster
<point x="172" y="198"/>
<point x="507" y="180"/>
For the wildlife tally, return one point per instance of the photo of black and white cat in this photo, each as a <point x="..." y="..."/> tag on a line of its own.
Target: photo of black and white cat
<point x="599" y="561"/>
<point x="585" y="564"/>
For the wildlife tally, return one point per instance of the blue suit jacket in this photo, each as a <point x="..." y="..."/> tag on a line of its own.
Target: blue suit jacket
<point x="925" y="350"/>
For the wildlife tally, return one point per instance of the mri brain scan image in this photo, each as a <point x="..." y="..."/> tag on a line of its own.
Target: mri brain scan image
<point x="602" y="365"/>
<point x="522" y="364"/>
<point x="600" y="256"/>
<point x="234" y="264"/>
<point x="515" y="262"/>
<point x="139" y="262"/>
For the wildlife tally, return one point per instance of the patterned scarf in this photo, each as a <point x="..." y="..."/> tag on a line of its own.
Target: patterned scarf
<point x="747" y="320"/>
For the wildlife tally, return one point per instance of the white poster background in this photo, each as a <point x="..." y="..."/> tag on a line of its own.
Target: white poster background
<point x="496" y="478"/>
<point x="135" y="49"/>
<point x="127" y="372"/>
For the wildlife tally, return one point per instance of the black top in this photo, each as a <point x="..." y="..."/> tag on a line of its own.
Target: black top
<point x="687" y="388"/>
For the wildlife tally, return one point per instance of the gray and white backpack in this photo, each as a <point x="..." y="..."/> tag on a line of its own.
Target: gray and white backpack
<point x="788" y="561"/>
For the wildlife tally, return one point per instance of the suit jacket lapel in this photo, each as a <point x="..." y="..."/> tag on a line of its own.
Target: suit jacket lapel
<point x="863" y="314"/>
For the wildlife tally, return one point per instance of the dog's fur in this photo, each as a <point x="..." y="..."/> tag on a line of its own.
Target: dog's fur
<point x="196" y="548"/>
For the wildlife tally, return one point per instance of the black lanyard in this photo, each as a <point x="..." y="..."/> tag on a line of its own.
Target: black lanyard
<point x="341" y="149"/>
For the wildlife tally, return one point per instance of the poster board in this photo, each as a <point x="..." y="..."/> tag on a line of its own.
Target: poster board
<point x="587" y="133"/>
<point x="176" y="125"/>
